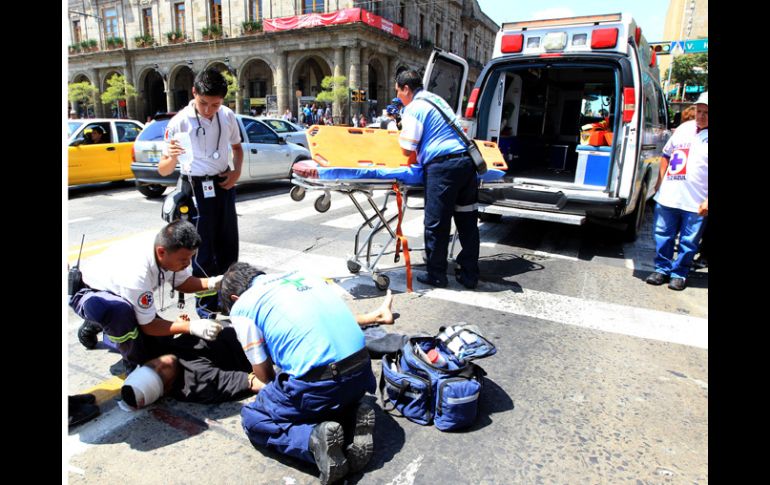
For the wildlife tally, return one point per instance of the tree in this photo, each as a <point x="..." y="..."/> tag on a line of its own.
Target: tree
<point x="118" y="89"/>
<point x="691" y="69"/>
<point x="232" y="86"/>
<point x="335" y="91"/>
<point x="82" y="93"/>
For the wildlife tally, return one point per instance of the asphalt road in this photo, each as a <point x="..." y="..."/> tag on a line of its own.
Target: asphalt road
<point x="599" y="378"/>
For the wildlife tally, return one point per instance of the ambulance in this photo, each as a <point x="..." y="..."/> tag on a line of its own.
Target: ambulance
<point x="576" y="108"/>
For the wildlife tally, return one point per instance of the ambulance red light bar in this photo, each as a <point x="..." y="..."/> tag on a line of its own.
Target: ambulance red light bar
<point x="604" y="38"/>
<point x="471" y="106"/>
<point x="512" y="43"/>
<point x="629" y="104"/>
<point x="638" y="35"/>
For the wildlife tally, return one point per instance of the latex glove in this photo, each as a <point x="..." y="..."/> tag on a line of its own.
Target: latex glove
<point x="205" y="329"/>
<point x="215" y="282"/>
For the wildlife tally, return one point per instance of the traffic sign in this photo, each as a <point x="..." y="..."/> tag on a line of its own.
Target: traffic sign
<point x="696" y="46"/>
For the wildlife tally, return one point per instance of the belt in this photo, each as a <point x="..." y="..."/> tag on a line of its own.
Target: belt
<point x="345" y="366"/>
<point x="201" y="178"/>
<point x="449" y="157"/>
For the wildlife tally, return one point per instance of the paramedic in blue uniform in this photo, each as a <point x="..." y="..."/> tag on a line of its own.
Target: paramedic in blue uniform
<point x="298" y="323"/>
<point x="450" y="181"/>
<point x="214" y="130"/>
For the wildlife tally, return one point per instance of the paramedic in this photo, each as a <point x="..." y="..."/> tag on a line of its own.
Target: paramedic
<point x="298" y="322"/>
<point x="682" y="198"/>
<point x="450" y="181"/>
<point x="213" y="130"/>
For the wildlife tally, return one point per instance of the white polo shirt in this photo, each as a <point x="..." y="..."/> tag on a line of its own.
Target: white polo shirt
<point x="204" y="146"/>
<point x="129" y="269"/>
<point x="686" y="182"/>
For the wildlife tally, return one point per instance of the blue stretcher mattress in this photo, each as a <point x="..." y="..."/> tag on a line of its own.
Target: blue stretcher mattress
<point x="411" y="175"/>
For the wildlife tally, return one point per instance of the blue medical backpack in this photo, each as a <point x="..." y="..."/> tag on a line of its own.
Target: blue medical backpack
<point x="446" y="395"/>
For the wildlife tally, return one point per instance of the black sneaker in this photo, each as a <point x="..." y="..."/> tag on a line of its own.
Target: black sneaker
<point x="80" y="413"/>
<point x="677" y="284"/>
<point x="360" y="451"/>
<point x="88" y="333"/>
<point x="470" y="284"/>
<point x="656" y="279"/>
<point x="326" y="441"/>
<point x="427" y="279"/>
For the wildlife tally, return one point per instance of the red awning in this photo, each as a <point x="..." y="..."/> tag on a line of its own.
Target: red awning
<point x="346" y="16"/>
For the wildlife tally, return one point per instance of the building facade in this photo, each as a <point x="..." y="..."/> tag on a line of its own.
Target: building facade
<point x="685" y="19"/>
<point x="159" y="46"/>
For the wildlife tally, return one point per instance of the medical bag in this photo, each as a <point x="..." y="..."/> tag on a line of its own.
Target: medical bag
<point x="443" y="388"/>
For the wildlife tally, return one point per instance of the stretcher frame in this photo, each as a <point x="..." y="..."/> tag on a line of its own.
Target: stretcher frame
<point x="362" y="257"/>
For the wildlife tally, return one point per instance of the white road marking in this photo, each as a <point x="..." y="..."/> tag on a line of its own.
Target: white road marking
<point x="80" y="219"/>
<point x="125" y="196"/>
<point x="94" y="431"/>
<point x="407" y="476"/>
<point x="597" y="315"/>
<point x="257" y="205"/>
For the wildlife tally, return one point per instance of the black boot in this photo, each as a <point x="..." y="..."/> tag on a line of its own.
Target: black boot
<point x="360" y="451"/>
<point x="88" y="333"/>
<point x="326" y="441"/>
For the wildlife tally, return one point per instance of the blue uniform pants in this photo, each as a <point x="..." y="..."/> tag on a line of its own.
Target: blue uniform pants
<point x="668" y="223"/>
<point x="217" y="225"/>
<point x="287" y="409"/>
<point x="118" y="320"/>
<point x="451" y="189"/>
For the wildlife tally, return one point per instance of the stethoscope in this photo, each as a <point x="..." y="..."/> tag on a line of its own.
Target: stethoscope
<point x="200" y="128"/>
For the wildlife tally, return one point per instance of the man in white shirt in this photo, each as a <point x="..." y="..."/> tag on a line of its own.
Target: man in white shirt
<point x="682" y="199"/>
<point x="214" y="131"/>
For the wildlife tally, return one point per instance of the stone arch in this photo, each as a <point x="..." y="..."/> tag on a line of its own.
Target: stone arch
<point x="377" y="85"/>
<point x="306" y="75"/>
<point x="180" y="83"/>
<point x="108" y="75"/>
<point x="79" y="77"/>
<point x="112" y="111"/>
<point x="257" y="80"/>
<point x="152" y="93"/>
<point x="80" y="111"/>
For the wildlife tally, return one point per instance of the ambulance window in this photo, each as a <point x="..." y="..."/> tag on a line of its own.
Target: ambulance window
<point x="446" y="80"/>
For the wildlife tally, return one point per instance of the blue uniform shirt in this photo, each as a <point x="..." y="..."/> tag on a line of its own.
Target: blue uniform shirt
<point x="424" y="130"/>
<point x="301" y="322"/>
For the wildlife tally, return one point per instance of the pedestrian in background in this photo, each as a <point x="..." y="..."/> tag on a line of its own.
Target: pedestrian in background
<point x="451" y="188"/>
<point x="681" y="199"/>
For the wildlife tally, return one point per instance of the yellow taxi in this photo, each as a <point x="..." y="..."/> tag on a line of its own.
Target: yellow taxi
<point x="100" y="150"/>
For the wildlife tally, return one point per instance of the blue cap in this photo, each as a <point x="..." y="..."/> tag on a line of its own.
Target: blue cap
<point x="392" y="109"/>
<point x="396" y="101"/>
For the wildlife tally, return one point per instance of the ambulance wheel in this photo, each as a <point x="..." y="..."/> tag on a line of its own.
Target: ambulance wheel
<point x="323" y="203"/>
<point x="485" y="217"/>
<point x="297" y="193"/>
<point x="635" y="220"/>
<point x="382" y="282"/>
<point x="353" y="267"/>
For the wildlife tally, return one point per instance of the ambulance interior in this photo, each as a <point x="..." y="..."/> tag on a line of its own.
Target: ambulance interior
<point x="535" y="114"/>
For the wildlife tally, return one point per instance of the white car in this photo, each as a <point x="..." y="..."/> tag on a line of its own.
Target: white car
<point x="266" y="156"/>
<point x="287" y="130"/>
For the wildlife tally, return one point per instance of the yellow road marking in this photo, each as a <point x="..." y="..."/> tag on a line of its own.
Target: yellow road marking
<point x="106" y="390"/>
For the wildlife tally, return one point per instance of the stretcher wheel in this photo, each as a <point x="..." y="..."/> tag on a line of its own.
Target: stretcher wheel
<point x="353" y="267"/>
<point x="297" y="193"/>
<point x="323" y="203"/>
<point x="381" y="281"/>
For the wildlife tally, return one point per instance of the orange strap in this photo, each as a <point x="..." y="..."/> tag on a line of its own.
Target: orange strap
<point x="401" y="239"/>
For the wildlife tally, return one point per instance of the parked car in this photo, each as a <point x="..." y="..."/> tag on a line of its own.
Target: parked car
<point x="104" y="160"/>
<point x="266" y="156"/>
<point x="287" y="130"/>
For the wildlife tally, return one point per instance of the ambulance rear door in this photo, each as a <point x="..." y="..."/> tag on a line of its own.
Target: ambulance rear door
<point x="446" y="75"/>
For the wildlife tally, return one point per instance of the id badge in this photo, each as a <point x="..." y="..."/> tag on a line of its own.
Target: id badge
<point x="208" y="189"/>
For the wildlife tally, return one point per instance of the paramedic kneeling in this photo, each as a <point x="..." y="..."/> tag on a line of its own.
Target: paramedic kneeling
<point x="451" y="188"/>
<point x="299" y="323"/>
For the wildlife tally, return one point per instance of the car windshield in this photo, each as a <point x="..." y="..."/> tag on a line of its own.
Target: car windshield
<point x="154" y="131"/>
<point x="72" y="126"/>
<point x="280" y="126"/>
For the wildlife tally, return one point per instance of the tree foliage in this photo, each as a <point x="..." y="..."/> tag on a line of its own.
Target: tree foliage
<point x="691" y="69"/>
<point x="232" y="86"/>
<point x="335" y="90"/>
<point x="82" y="92"/>
<point x="117" y="89"/>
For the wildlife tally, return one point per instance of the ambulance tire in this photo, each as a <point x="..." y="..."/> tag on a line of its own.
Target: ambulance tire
<point x="635" y="219"/>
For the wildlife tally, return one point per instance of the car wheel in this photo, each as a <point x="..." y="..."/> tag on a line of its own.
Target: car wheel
<point x="152" y="191"/>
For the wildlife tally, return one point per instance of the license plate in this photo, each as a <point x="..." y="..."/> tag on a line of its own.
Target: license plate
<point x="153" y="157"/>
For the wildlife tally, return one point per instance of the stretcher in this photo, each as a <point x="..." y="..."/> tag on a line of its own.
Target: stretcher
<point x="363" y="162"/>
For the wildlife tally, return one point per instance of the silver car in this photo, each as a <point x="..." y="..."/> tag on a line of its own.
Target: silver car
<point x="266" y="156"/>
<point x="287" y="130"/>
